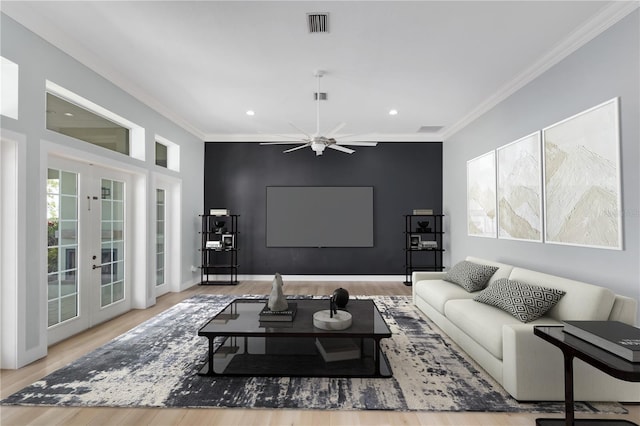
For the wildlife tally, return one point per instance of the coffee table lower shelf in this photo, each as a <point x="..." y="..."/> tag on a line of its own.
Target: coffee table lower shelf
<point x="253" y="365"/>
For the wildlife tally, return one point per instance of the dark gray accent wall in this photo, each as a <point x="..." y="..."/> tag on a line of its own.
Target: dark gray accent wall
<point x="605" y="68"/>
<point x="404" y="176"/>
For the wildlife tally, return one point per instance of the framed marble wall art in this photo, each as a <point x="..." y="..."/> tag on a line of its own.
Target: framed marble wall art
<point x="582" y="196"/>
<point x="519" y="181"/>
<point x="481" y="196"/>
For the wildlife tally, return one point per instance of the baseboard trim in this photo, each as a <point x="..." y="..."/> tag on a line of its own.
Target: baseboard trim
<point x="378" y="278"/>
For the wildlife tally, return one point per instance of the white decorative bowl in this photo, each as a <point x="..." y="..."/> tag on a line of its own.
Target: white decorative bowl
<point x="340" y="321"/>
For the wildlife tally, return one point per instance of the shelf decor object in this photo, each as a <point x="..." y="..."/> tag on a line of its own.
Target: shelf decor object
<point x="325" y="320"/>
<point x="335" y="349"/>
<point x="287" y="314"/>
<point x="277" y="301"/>
<point x="219" y="248"/>
<point x="341" y="297"/>
<point x="581" y="157"/>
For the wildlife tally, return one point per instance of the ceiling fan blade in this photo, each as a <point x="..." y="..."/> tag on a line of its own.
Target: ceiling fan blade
<point x="297" y="147"/>
<point x="340" y="148"/>
<point x="358" y="143"/>
<point x="335" y="129"/>
<point x="304" y="133"/>
<point x="282" y="143"/>
<point x="284" y="137"/>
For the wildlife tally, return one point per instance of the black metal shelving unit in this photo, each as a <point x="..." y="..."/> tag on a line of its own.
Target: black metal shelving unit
<point x="427" y="258"/>
<point x="219" y="249"/>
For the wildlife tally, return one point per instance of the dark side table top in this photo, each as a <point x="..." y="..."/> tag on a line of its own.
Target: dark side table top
<point x="602" y="359"/>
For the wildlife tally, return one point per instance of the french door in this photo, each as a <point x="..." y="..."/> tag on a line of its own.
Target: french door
<point x="87" y="246"/>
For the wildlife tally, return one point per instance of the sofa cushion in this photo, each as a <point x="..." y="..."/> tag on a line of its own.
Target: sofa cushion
<point x="503" y="271"/>
<point x="582" y="301"/>
<point x="438" y="292"/>
<point x="470" y="276"/>
<point x="484" y="323"/>
<point x="526" y="302"/>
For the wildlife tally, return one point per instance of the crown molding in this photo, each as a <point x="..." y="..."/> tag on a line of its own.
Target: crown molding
<point x="294" y="138"/>
<point x="606" y="18"/>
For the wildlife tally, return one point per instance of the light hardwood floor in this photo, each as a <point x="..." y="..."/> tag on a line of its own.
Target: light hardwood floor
<point x="73" y="348"/>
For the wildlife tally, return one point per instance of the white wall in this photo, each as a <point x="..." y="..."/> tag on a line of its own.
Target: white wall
<point x="38" y="62"/>
<point x="605" y="68"/>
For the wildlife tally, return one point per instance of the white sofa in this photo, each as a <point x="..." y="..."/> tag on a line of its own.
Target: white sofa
<point x="529" y="368"/>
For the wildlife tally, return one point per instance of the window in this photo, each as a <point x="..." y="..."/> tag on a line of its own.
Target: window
<point x="72" y="115"/>
<point x="9" y="92"/>
<point x="167" y="154"/>
<point x="161" y="155"/>
<point x="71" y="120"/>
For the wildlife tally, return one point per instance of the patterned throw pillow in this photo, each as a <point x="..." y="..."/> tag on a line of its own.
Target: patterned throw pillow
<point x="470" y="276"/>
<point x="526" y="302"/>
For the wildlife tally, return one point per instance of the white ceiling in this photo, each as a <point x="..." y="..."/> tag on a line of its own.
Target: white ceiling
<point x="203" y="64"/>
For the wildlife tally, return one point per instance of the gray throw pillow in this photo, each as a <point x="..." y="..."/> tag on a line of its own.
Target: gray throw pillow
<point x="526" y="302"/>
<point x="470" y="276"/>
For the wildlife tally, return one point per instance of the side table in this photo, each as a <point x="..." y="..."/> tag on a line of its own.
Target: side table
<point x="573" y="347"/>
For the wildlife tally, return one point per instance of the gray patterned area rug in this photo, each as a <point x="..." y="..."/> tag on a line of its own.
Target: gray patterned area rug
<point x="156" y="363"/>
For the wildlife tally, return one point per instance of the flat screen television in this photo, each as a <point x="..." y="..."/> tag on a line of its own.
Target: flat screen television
<point x="319" y="216"/>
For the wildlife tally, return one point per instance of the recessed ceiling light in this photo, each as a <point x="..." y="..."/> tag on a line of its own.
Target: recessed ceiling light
<point x="68" y="114"/>
<point x="393" y="112"/>
<point x="251" y="112"/>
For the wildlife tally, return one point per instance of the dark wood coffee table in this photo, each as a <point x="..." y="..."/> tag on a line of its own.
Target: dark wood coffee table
<point x="254" y="348"/>
<point x="573" y="347"/>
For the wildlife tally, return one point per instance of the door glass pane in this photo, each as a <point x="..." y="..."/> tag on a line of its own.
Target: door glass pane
<point x="68" y="307"/>
<point x="62" y="245"/>
<point x="112" y="282"/>
<point x="160" y="232"/>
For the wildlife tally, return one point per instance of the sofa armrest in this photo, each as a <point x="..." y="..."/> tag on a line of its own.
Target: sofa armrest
<point x="624" y="309"/>
<point x="426" y="275"/>
<point x="532" y="369"/>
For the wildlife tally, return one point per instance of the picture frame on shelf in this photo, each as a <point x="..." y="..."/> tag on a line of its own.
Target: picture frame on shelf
<point x="227" y="241"/>
<point x="414" y="241"/>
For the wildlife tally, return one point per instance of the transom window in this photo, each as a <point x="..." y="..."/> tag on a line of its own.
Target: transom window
<point x="161" y="155"/>
<point x="72" y="120"/>
<point x="9" y="92"/>
<point x="77" y="117"/>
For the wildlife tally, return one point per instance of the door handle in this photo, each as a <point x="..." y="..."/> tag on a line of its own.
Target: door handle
<point x="96" y="266"/>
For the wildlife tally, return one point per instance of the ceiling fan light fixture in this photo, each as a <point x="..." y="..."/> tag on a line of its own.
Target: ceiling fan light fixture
<point x="318" y="148"/>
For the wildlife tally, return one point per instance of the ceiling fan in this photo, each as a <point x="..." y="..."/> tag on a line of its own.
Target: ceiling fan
<point x="317" y="141"/>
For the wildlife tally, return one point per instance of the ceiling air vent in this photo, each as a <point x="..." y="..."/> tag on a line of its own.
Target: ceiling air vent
<point x="323" y="96"/>
<point x="318" y="22"/>
<point x="430" y="129"/>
